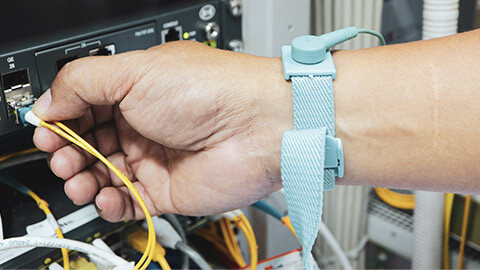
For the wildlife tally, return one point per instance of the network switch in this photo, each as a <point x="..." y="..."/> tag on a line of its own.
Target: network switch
<point x="33" y="51"/>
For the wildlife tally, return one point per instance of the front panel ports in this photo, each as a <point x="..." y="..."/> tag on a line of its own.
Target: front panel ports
<point x="59" y="63"/>
<point x="104" y="50"/>
<point x="17" y="91"/>
<point x="172" y="34"/>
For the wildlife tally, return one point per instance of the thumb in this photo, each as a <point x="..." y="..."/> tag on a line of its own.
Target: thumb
<point x="100" y="80"/>
<point x="42" y="104"/>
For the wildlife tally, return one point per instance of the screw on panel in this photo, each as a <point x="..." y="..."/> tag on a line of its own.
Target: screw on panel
<point x="236" y="45"/>
<point x="235" y="7"/>
<point x="212" y="30"/>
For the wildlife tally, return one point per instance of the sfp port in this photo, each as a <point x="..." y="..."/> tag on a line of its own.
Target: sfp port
<point x="17" y="91"/>
<point x="104" y="50"/>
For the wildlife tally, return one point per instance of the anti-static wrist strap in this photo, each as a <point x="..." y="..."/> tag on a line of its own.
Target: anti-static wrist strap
<point x="303" y="156"/>
<point x="313" y="108"/>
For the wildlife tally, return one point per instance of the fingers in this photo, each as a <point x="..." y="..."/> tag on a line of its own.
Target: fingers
<point x="68" y="160"/>
<point x="48" y="141"/>
<point x="113" y="205"/>
<point x="105" y="176"/>
<point x="116" y="204"/>
<point x="88" y="81"/>
<point x="84" y="185"/>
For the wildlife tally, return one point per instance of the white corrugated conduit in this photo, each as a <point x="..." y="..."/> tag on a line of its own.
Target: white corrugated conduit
<point x="440" y="18"/>
<point x="345" y="207"/>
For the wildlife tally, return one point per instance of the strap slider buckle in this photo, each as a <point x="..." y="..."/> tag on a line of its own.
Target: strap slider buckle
<point x="334" y="155"/>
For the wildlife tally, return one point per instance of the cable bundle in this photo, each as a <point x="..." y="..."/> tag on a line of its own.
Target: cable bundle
<point x="226" y="241"/>
<point x="244" y="225"/>
<point x="70" y="135"/>
<point x="42" y="204"/>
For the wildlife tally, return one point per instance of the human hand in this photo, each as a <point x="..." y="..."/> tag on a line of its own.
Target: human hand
<point x="198" y="130"/>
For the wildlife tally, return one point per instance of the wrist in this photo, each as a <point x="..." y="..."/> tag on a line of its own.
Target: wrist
<point x="278" y="115"/>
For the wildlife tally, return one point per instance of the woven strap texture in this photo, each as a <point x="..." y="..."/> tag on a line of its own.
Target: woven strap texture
<point x="313" y="107"/>
<point x="303" y="157"/>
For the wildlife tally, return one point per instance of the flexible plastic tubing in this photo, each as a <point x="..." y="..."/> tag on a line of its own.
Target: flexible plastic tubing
<point x="427" y="230"/>
<point x="342" y="257"/>
<point x="440" y="18"/>
<point x="197" y="258"/>
<point x="269" y="209"/>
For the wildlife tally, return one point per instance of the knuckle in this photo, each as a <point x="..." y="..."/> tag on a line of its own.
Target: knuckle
<point x="66" y="75"/>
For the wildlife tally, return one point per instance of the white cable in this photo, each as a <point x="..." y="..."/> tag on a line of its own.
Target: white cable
<point x="352" y="254"/>
<point x="172" y="219"/>
<point x="232" y="214"/>
<point x="335" y="246"/>
<point x="194" y="255"/>
<point x="99" y="243"/>
<point x="20" y="242"/>
<point x="229" y="215"/>
<point x="100" y="264"/>
<point x="55" y="266"/>
<point x="168" y="237"/>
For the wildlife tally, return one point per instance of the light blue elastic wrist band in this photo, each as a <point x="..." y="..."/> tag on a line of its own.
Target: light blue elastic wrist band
<point x="311" y="155"/>
<point x="303" y="153"/>
<point x="313" y="108"/>
<point x="304" y="175"/>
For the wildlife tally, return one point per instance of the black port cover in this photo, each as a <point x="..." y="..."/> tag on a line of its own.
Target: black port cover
<point x="15" y="78"/>
<point x="62" y="62"/>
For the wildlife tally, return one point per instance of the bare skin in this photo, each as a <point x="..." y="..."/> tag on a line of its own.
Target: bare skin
<point x="409" y="118"/>
<point x="199" y="130"/>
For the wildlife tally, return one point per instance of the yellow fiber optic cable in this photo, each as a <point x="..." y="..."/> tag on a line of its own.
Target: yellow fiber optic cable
<point x="244" y="225"/>
<point x="219" y="245"/>
<point x="138" y="240"/>
<point x="24" y="152"/>
<point x="73" y="137"/>
<point x="210" y="234"/>
<point x="466" y="214"/>
<point x="70" y="135"/>
<point x="163" y="263"/>
<point x="234" y="242"/>
<point x="127" y="182"/>
<point x="43" y="205"/>
<point x="287" y="223"/>
<point x="446" y="229"/>
<point x="231" y="242"/>
<point x="395" y="199"/>
<point x="252" y="242"/>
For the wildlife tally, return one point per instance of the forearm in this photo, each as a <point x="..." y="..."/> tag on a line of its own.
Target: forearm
<point x="409" y="115"/>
